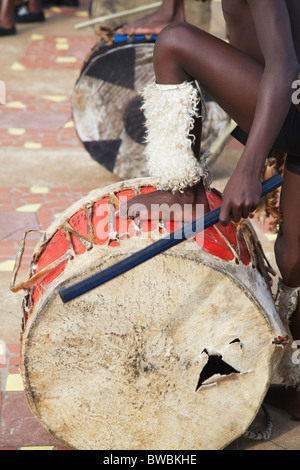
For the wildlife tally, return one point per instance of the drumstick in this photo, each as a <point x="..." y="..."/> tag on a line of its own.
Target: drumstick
<point x="187" y="231"/>
<point x="118" y="14"/>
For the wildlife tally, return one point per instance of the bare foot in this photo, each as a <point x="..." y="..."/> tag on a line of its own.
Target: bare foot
<point x="154" y="22"/>
<point x="287" y="399"/>
<point x="145" y="25"/>
<point x="164" y="205"/>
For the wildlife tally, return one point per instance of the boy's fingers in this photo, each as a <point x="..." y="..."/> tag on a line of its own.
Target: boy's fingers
<point x="224" y="217"/>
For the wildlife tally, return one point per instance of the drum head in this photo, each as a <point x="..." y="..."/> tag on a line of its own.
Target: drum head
<point x="177" y="353"/>
<point x="106" y="106"/>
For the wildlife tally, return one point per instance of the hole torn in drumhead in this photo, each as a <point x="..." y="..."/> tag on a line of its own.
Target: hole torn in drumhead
<point x="214" y="369"/>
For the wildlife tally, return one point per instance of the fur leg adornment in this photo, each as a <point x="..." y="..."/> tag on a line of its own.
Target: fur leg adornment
<point x="170" y="112"/>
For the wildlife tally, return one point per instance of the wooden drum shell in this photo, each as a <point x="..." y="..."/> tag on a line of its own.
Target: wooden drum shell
<point x="132" y="365"/>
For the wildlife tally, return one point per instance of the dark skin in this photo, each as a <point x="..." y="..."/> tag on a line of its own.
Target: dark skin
<point x="7" y="11"/>
<point x="251" y="79"/>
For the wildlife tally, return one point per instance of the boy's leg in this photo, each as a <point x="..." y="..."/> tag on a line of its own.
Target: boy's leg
<point x="184" y="52"/>
<point x="35" y="6"/>
<point x="7" y="14"/>
<point x="31" y="13"/>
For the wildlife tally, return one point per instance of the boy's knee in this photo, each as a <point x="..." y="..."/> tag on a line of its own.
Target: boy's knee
<point x="171" y="38"/>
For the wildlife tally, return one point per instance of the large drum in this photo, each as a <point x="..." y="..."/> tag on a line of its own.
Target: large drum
<point x="197" y="12"/>
<point x="177" y="353"/>
<point x="106" y="106"/>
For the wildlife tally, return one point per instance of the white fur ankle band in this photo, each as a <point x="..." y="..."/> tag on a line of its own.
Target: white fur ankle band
<point x="170" y="112"/>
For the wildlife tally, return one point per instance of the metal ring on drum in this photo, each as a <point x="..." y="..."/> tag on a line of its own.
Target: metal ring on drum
<point x="176" y="354"/>
<point x="106" y="107"/>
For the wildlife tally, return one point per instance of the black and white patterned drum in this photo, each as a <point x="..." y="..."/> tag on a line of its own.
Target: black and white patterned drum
<point x="107" y="100"/>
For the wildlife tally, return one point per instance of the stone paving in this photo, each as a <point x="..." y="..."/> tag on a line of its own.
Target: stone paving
<point x="44" y="169"/>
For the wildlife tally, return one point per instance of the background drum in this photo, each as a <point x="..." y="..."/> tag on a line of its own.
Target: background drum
<point x="107" y="99"/>
<point x="178" y="353"/>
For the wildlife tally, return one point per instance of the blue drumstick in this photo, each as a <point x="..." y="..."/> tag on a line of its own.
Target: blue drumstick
<point x="187" y="231"/>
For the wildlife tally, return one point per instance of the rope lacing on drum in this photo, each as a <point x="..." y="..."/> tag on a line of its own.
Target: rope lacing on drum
<point x="106" y="34"/>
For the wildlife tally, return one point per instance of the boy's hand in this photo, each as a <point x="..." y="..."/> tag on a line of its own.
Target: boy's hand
<point x="241" y="196"/>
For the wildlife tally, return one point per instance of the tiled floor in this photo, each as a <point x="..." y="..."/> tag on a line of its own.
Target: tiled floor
<point x="44" y="169"/>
